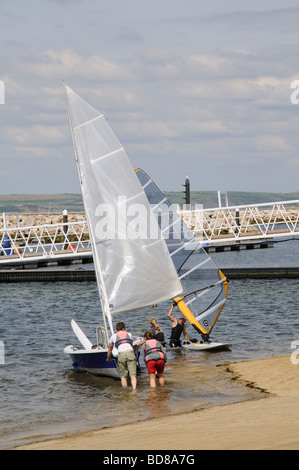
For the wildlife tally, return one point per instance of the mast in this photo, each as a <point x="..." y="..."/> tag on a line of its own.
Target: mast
<point x="100" y="281"/>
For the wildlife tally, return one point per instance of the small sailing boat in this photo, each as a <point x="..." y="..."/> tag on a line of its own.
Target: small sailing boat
<point x="132" y="262"/>
<point x="203" y="305"/>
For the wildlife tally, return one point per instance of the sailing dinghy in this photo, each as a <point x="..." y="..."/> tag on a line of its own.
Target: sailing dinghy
<point x="203" y="305"/>
<point x="133" y="267"/>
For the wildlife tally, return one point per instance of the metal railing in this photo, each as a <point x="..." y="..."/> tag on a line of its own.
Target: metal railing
<point x="40" y="241"/>
<point x="225" y="224"/>
<point x="247" y="222"/>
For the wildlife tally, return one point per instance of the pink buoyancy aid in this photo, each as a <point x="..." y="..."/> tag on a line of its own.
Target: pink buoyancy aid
<point x="153" y="350"/>
<point x="122" y="337"/>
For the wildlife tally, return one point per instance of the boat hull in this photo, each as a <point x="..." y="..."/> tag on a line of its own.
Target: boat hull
<point x="93" y="361"/>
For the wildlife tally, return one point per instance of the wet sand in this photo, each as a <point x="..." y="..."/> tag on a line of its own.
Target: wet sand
<point x="270" y="422"/>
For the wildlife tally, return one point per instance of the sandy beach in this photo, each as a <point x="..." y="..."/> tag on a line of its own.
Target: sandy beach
<point x="270" y="422"/>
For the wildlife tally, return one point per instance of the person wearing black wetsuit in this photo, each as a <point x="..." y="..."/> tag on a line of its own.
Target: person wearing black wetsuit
<point x="178" y="327"/>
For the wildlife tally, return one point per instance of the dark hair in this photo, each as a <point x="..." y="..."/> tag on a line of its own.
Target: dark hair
<point x="120" y="325"/>
<point x="149" y="335"/>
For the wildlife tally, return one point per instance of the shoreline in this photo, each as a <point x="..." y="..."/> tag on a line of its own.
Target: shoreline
<point x="270" y="422"/>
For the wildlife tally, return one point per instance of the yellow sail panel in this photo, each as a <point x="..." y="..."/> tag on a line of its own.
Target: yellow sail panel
<point x="205" y="321"/>
<point x="225" y="283"/>
<point x="188" y="315"/>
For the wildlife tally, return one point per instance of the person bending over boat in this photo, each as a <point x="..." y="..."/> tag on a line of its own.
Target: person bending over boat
<point x="154" y="356"/>
<point x="178" y="327"/>
<point x="127" y="366"/>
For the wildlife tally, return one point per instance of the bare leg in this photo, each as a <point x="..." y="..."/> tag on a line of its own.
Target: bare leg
<point x="124" y="382"/>
<point x="134" y="382"/>
<point x="161" y="380"/>
<point x="152" y="378"/>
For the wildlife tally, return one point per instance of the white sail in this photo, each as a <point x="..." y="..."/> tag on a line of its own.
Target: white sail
<point x="201" y="307"/>
<point x="131" y="258"/>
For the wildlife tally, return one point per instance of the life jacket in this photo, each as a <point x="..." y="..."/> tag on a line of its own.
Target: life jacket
<point x="153" y="350"/>
<point x="122" y="337"/>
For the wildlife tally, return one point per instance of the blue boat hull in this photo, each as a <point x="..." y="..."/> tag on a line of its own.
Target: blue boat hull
<point x="93" y="361"/>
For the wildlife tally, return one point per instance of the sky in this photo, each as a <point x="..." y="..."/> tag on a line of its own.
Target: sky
<point x="195" y="88"/>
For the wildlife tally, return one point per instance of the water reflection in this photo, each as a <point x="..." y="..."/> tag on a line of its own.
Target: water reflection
<point x="158" y="401"/>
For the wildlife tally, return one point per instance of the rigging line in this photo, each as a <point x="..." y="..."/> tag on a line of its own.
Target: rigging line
<point x="146" y="320"/>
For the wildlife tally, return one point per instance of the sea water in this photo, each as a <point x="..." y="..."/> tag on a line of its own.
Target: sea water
<point x="42" y="397"/>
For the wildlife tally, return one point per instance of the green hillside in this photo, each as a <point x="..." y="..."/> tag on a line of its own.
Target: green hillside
<point x="209" y="199"/>
<point x="43" y="203"/>
<point x="55" y="203"/>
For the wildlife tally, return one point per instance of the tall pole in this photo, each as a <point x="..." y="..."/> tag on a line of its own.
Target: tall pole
<point x="99" y="276"/>
<point x="65" y="227"/>
<point x="187" y="190"/>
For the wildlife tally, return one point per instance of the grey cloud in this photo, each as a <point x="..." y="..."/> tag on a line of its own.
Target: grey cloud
<point x="187" y="90"/>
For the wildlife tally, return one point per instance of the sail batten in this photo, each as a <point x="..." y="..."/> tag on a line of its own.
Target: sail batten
<point x="159" y="204"/>
<point x="169" y="226"/>
<point x="133" y="267"/>
<point x="88" y="122"/>
<point x="187" y="273"/>
<point x="200" y="293"/>
<point x="184" y="247"/>
<point x="95" y="160"/>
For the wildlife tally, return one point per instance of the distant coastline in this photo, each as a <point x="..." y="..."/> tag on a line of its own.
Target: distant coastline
<point x="56" y="203"/>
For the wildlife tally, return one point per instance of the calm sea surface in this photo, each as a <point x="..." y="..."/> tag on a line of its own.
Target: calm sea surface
<point x="42" y="397"/>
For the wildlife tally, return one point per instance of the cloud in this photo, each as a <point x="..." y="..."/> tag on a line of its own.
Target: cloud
<point x="52" y="64"/>
<point x="161" y="104"/>
<point x="182" y="88"/>
<point x="64" y="2"/>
